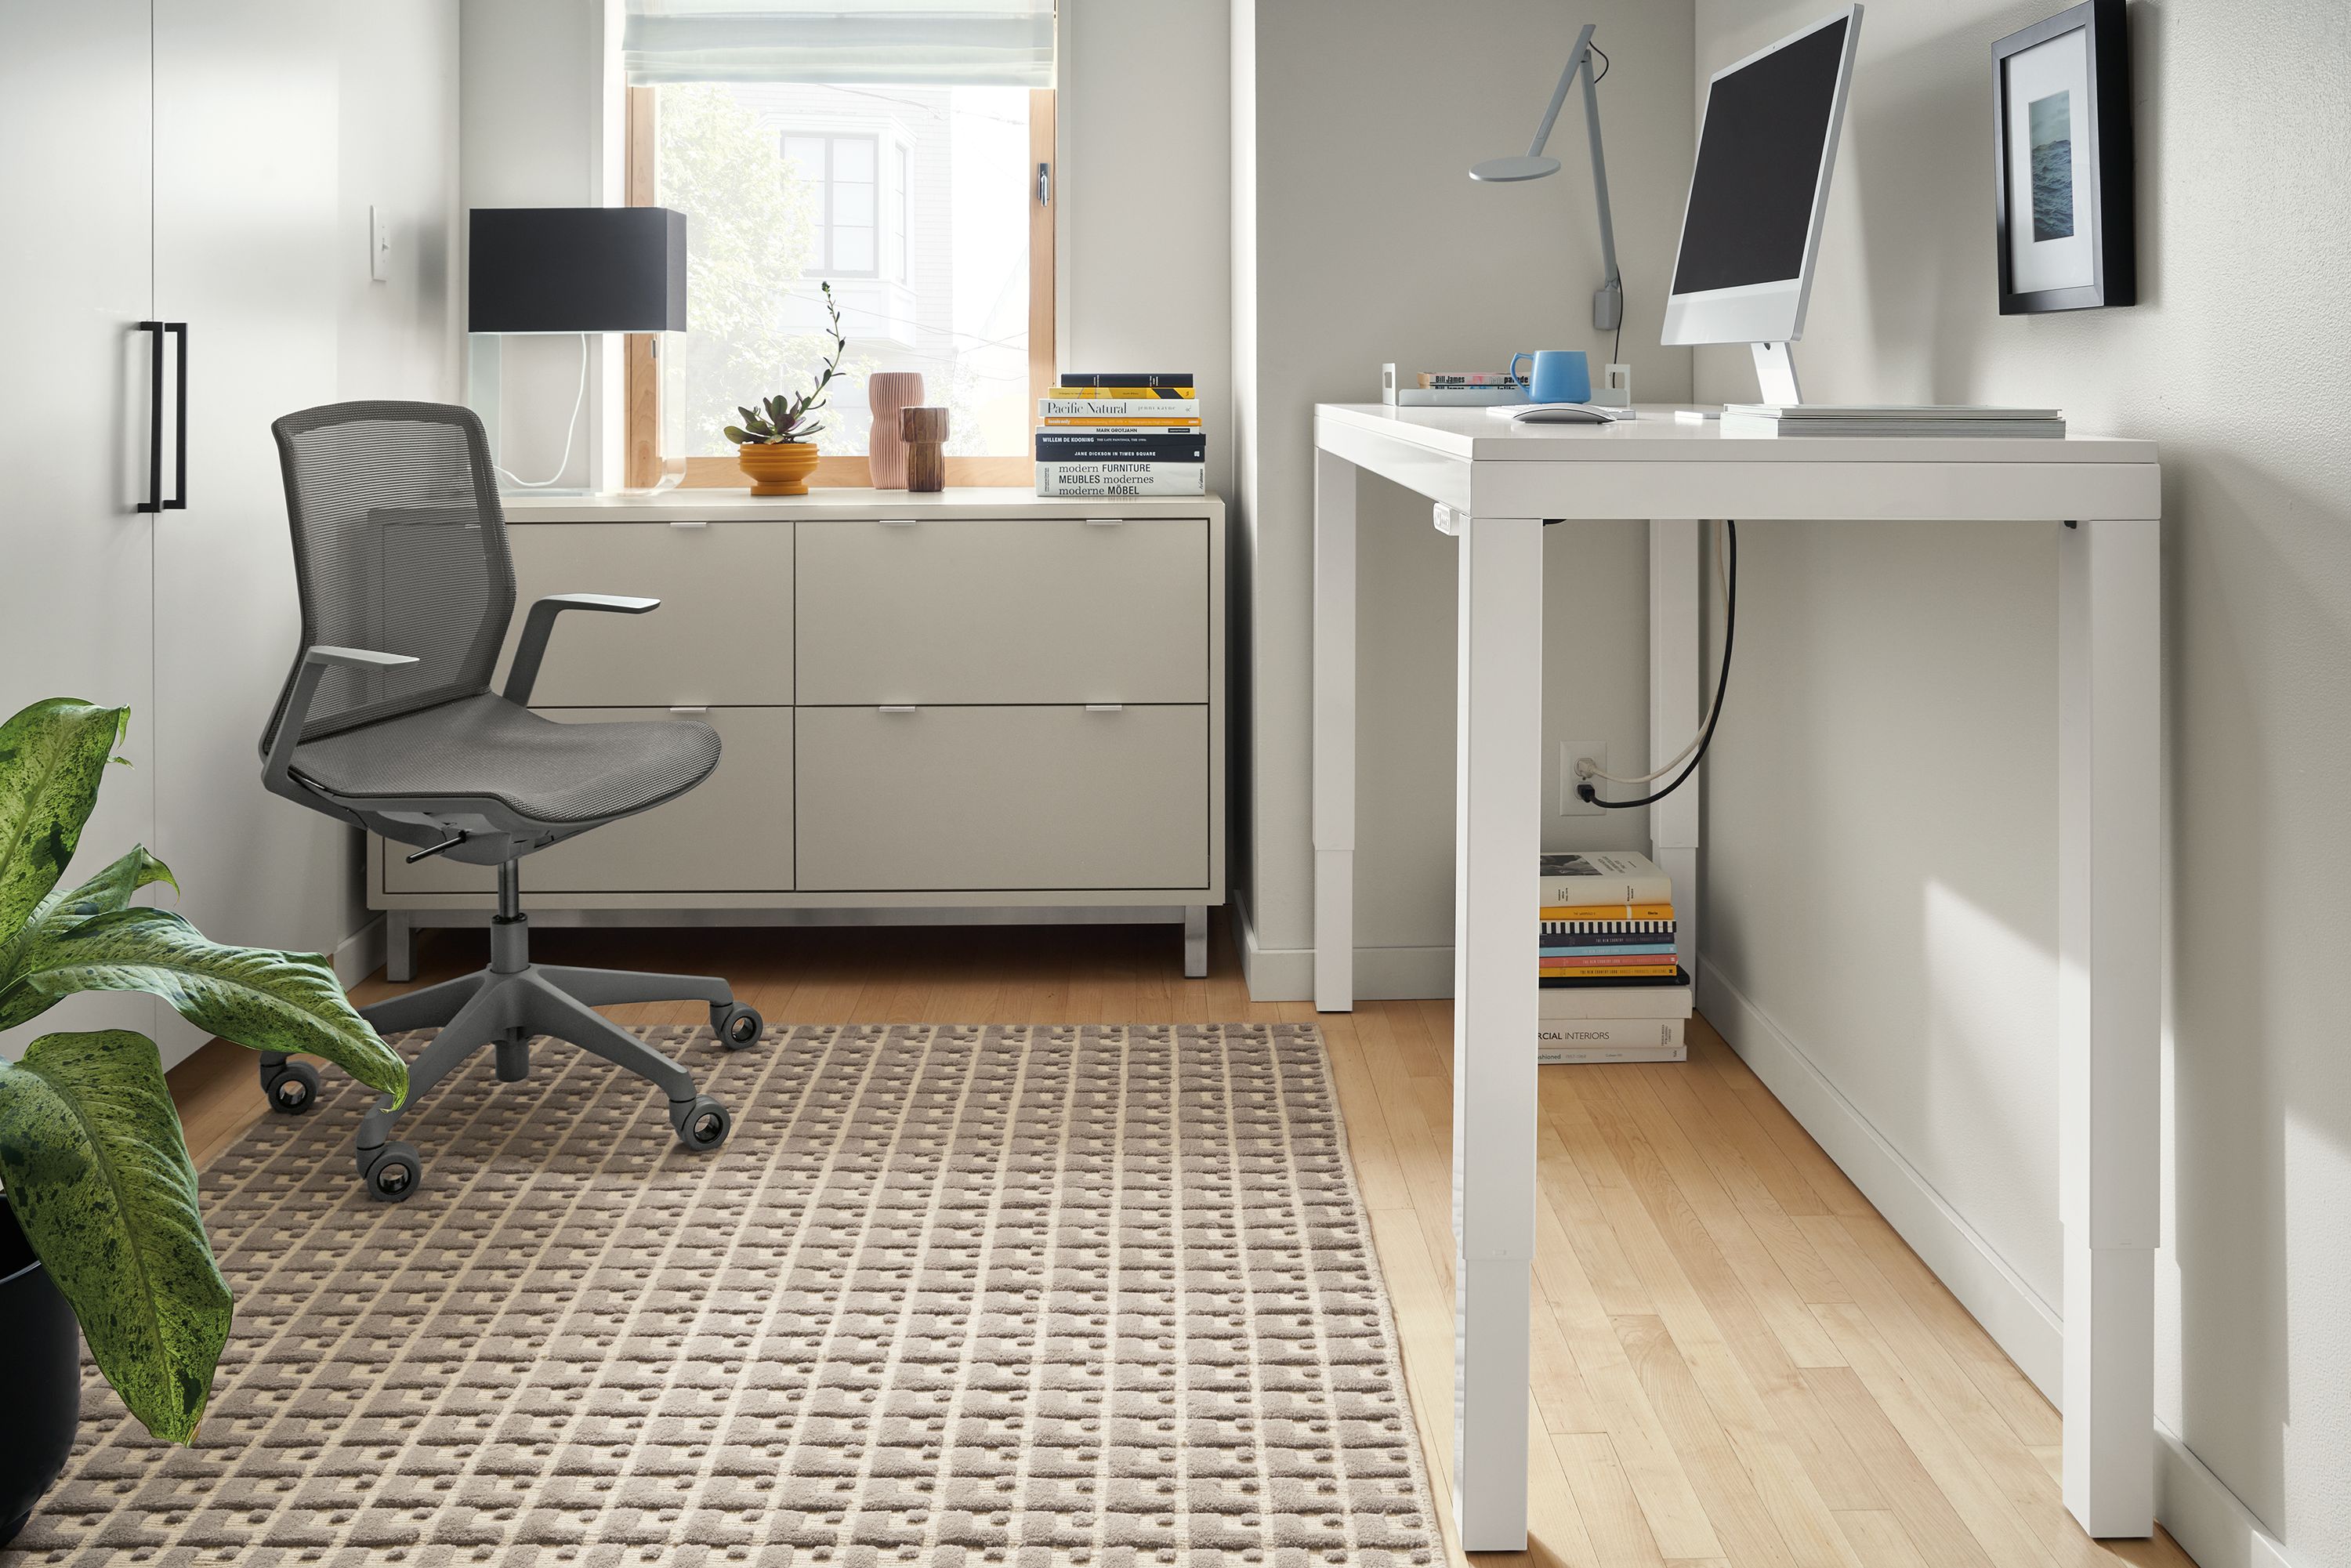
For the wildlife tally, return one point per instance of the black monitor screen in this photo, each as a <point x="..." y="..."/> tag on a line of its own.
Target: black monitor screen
<point x="1758" y="162"/>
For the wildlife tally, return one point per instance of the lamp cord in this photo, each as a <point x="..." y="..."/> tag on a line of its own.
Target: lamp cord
<point x="570" y="433"/>
<point x="1590" y="795"/>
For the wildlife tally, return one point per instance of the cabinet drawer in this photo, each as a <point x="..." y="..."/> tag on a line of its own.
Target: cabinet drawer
<point x="722" y="635"/>
<point x="968" y="798"/>
<point x="732" y="834"/>
<point x="1023" y="609"/>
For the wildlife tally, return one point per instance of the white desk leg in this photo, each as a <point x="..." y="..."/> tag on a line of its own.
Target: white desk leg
<point x="1335" y="734"/>
<point x="1497" y="842"/>
<point x="2110" y="973"/>
<point x="1677" y="645"/>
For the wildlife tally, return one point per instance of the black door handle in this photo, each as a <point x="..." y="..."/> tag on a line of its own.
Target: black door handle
<point x="180" y="475"/>
<point x="154" y="501"/>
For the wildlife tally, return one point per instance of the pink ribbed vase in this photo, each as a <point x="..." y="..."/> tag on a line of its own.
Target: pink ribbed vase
<point x="885" y="449"/>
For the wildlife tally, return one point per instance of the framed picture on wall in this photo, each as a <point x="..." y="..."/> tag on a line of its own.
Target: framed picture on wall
<point x="2062" y="172"/>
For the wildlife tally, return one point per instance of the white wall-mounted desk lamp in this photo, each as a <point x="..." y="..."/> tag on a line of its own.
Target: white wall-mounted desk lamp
<point x="1608" y="299"/>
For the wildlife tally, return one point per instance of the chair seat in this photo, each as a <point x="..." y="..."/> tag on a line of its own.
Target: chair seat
<point x="487" y="748"/>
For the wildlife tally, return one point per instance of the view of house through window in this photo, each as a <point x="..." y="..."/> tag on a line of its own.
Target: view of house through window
<point x="911" y="201"/>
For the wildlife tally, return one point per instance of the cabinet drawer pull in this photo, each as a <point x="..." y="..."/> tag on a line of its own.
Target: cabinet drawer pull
<point x="1105" y="707"/>
<point x="689" y="707"/>
<point x="689" y="522"/>
<point x="1103" y="522"/>
<point x="897" y="707"/>
<point x="898" y="522"/>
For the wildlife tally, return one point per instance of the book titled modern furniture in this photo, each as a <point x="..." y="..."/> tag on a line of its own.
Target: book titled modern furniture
<point x="1494" y="486"/>
<point x="975" y="706"/>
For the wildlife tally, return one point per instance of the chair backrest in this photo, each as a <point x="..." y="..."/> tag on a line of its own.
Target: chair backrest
<point x="399" y="546"/>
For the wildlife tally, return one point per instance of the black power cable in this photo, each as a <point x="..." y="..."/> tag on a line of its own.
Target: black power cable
<point x="1590" y="795"/>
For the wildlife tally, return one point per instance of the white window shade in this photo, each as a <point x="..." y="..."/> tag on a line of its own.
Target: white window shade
<point x="958" y="43"/>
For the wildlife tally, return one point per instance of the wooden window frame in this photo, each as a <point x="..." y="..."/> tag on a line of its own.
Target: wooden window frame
<point x="646" y="465"/>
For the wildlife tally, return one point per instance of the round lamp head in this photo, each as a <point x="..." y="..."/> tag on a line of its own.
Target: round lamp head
<point x="1507" y="169"/>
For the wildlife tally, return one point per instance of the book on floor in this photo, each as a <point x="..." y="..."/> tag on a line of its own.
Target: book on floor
<point x="1602" y="1055"/>
<point x="1602" y="876"/>
<point x="1655" y="1000"/>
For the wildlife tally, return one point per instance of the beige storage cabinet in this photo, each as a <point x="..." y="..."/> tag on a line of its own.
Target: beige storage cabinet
<point x="1003" y="798"/>
<point x="977" y="705"/>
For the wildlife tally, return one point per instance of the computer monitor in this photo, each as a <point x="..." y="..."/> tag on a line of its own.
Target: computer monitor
<point x="1752" y="228"/>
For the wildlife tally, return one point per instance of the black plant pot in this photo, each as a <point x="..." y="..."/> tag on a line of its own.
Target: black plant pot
<point x="42" y="1345"/>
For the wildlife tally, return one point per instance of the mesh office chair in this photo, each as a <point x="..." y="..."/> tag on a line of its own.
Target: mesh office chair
<point x="388" y="721"/>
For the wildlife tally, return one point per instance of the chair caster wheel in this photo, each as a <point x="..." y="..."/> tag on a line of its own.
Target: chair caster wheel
<point x="736" y="1025"/>
<point x="702" y="1124"/>
<point x="392" y="1172"/>
<point x="292" y="1087"/>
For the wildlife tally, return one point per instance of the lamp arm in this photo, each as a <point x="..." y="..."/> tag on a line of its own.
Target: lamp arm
<point x="1579" y="54"/>
<point x="1599" y="166"/>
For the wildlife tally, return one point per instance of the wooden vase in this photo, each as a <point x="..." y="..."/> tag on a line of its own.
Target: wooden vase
<point x="925" y="431"/>
<point x="885" y="451"/>
<point x="778" y="467"/>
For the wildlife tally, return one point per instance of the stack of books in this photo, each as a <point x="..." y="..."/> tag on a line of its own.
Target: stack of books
<point x="1890" y="419"/>
<point x="1611" y="988"/>
<point x="1120" y="432"/>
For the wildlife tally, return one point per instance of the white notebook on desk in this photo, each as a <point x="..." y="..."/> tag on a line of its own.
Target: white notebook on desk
<point x="1558" y="413"/>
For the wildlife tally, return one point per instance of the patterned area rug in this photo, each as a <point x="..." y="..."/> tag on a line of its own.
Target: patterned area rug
<point x="949" y="1296"/>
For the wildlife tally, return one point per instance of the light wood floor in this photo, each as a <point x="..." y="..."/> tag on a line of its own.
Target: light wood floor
<point x="1737" y="1361"/>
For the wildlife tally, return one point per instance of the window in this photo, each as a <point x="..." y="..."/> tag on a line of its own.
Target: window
<point x="918" y="204"/>
<point x="901" y="207"/>
<point x="841" y="172"/>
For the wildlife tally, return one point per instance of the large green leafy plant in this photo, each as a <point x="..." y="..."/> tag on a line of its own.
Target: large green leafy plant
<point x="91" y="1156"/>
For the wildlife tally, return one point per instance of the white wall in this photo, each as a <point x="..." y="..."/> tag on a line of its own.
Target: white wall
<point x="541" y="112"/>
<point x="1886" y="760"/>
<point x="1359" y="239"/>
<point x="1143" y="233"/>
<point x="400" y="336"/>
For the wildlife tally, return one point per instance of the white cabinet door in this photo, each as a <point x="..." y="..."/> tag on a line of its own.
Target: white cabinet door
<point x="74" y="283"/>
<point x="245" y="173"/>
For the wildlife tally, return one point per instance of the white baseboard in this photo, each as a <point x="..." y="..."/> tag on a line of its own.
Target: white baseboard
<point x="2204" y="1516"/>
<point x="1382" y="973"/>
<point x="2195" y="1505"/>
<point x="360" y="954"/>
<point x="2028" y="1328"/>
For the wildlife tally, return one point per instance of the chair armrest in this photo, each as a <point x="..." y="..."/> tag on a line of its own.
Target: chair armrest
<point x="317" y="661"/>
<point x="532" y="650"/>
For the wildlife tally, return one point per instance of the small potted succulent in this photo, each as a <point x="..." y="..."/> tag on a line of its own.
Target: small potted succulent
<point x="98" y="1222"/>
<point x="776" y="442"/>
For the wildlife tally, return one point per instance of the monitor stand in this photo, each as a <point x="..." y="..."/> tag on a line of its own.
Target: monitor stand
<point x="1775" y="374"/>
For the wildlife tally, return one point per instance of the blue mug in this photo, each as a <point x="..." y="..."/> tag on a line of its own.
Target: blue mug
<point x="1561" y="375"/>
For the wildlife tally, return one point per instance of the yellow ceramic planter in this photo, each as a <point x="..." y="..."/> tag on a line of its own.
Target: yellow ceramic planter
<point x="778" y="468"/>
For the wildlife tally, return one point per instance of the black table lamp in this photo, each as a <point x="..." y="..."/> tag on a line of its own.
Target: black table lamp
<point x="570" y="270"/>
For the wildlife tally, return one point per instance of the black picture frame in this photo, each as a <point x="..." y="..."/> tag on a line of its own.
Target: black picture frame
<point x="2107" y="205"/>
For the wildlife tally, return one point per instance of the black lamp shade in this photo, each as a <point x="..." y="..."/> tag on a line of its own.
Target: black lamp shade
<point x="576" y="269"/>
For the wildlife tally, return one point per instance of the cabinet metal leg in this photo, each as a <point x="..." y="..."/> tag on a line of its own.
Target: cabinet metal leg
<point x="1196" y="942"/>
<point x="399" y="948"/>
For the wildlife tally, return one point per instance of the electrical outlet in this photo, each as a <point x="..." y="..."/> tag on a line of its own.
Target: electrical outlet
<point x="1571" y="752"/>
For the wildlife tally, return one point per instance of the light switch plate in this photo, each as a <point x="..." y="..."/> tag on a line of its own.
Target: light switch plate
<point x="378" y="244"/>
<point x="1569" y="750"/>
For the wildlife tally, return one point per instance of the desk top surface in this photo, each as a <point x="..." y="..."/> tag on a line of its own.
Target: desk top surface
<point x="1656" y="437"/>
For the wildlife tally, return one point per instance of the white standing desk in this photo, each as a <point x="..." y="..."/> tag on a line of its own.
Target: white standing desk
<point x="1494" y="485"/>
